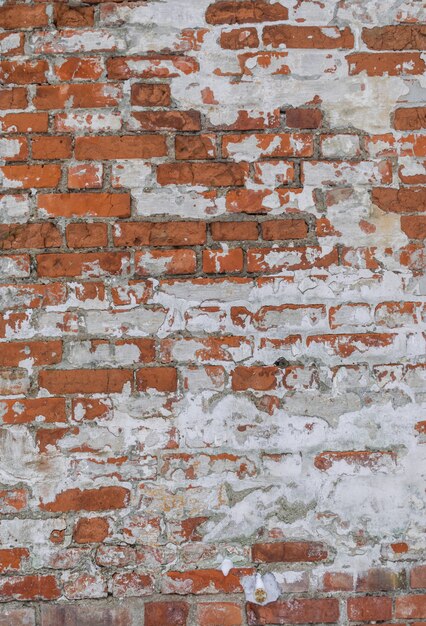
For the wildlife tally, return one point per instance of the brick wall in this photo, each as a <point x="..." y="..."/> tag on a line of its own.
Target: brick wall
<point x="212" y="229"/>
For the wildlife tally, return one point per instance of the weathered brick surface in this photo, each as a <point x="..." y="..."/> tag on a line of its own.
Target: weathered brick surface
<point x="212" y="312"/>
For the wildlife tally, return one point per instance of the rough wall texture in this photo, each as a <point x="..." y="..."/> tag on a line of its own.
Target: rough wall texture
<point x="211" y="321"/>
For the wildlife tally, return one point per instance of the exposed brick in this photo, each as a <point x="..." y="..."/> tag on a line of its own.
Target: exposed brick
<point x="21" y="236"/>
<point x="125" y="147"/>
<point x="234" y="231"/>
<point x="13" y="98"/>
<point x="211" y="174"/>
<point x="239" y="38"/>
<point x="410" y="118"/>
<point x="151" y="95"/>
<point x="30" y="176"/>
<point x="167" y="120"/>
<point x="101" y="499"/>
<point x="223" y="261"/>
<point x="219" y="613"/>
<point x="284" y="229"/>
<point x="34" y="587"/>
<point x="77" y="96"/>
<point x="159" y="378"/>
<point x="289" y="552"/>
<point x="173" y="612"/>
<point x="299" y="611"/>
<point x="414" y="226"/>
<point x="401" y="37"/>
<point x="13" y="17"/>
<point x="307" y="36"/>
<point x="303" y="118"/>
<point x="85" y="614"/>
<point x="400" y="200"/>
<point x="51" y="148"/>
<point x="72" y="16"/>
<point x="195" y="147"/>
<point x="366" y="609"/>
<point x="83" y="235"/>
<point x="84" y="381"/>
<point x="386" y="63"/>
<point x="160" y="234"/>
<point x="246" y="11"/>
<point x="84" y="204"/>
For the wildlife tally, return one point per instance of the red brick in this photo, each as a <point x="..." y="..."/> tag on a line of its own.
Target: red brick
<point x="366" y="609"/>
<point x="89" y="264"/>
<point x="128" y="584"/>
<point x="13" y="501"/>
<point x="101" y="499"/>
<point x="73" y="16"/>
<point x="410" y="607"/>
<point x="23" y="72"/>
<point x="258" y="378"/>
<point x="91" y="530"/>
<point x="295" y="611"/>
<point x="245" y="11"/>
<point x="303" y="118"/>
<point x="234" y="231"/>
<point x="307" y="36"/>
<point x="400" y="200"/>
<point x="77" y="96"/>
<point x="25" y="122"/>
<point x="159" y="378"/>
<point x="202" y="581"/>
<point x="173" y="612"/>
<point x="85" y="176"/>
<point x="29" y="176"/>
<point x="219" y="614"/>
<point x="160" y="234"/>
<point x="40" y="352"/>
<point x="11" y="559"/>
<point x="160" y="66"/>
<point x="167" y="120"/>
<point x="13" y="17"/>
<point x="289" y="552"/>
<point x="418" y="577"/>
<point x="17" y="617"/>
<point x="401" y="37"/>
<point x="410" y="118"/>
<point x="386" y="63"/>
<point x="380" y="579"/>
<point x="123" y="147"/>
<point x="223" y="261"/>
<point x="75" y="68"/>
<point x="84" y="381"/>
<point x="29" y="588"/>
<point x="27" y="410"/>
<point x="209" y="174"/>
<point x="84" y="235"/>
<point x="150" y="95"/>
<point x="284" y="229"/>
<point x="414" y="226"/>
<point x="13" y="98"/>
<point x="338" y="581"/>
<point x="84" y="614"/>
<point x="239" y="38"/>
<point x="158" y="262"/>
<point x="195" y="147"/>
<point x="21" y="236"/>
<point x="84" y="204"/>
<point x="46" y="148"/>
